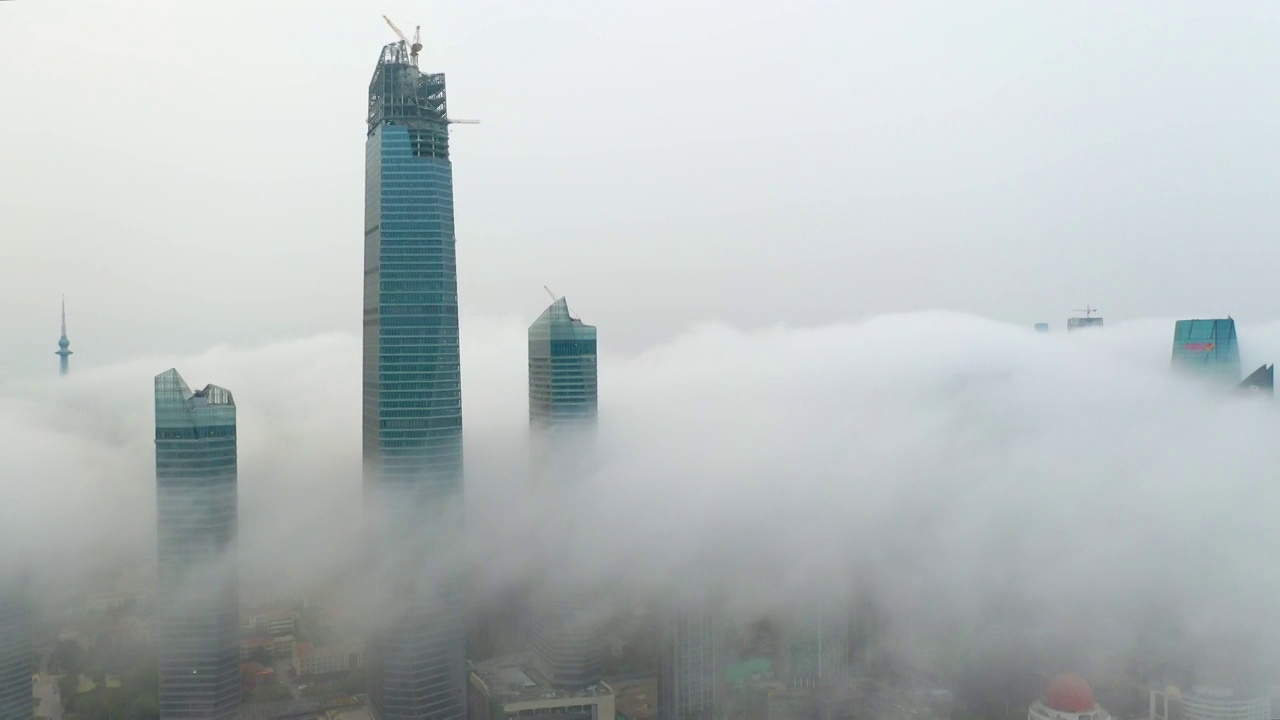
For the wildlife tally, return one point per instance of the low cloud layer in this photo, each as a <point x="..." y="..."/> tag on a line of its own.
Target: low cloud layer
<point x="979" y="479"/>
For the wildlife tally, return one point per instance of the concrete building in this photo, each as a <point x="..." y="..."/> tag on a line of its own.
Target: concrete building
<point x="690" y="662"/>
<point x="1088" y="321"/>
<point x="511" y="687"/>
<point x="325" y="659"/>
<point x="412" y="395"/>
<point x="198" y="622"/>
<point x="1213" y="702"/>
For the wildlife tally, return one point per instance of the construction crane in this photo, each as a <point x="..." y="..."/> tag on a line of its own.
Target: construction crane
<point x="1087" y="310"/>
<point x="554" y="297"/>
<point x="414" y="47"/>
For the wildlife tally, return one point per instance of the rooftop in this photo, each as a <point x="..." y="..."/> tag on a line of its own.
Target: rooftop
<point x="512" y="678"/>
<point x="636" y="699"/>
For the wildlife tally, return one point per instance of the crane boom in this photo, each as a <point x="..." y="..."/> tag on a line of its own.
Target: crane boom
<point x="414" y="45"/>
<point x="396" y="30"/>
<point x="553" y="295"/>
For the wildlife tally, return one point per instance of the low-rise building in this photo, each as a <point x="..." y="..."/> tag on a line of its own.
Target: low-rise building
<point x="284" y="647"/>
<point x="322" y="660"/>
<point x="636" y="699"/>
<point x="251" y="645"/>
<point x="508" y="687"/>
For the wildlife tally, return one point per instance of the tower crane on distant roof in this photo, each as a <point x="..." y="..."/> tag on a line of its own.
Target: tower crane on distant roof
<point x="415" y="46"/>
<point x="554" y="297"/>
<point x="1088" y="310"/>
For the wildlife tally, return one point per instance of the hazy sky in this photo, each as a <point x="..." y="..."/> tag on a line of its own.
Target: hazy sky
<point x="192" y="176"/>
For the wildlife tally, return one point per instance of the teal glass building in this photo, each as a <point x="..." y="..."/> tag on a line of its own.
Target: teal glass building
<point x="198" y="619"/>
<point x="562" y="370"/>
<point x="1207" y="348"/>
<point x="412" y="397"/>
<point x="15" y="654"/>
<point x="567" y="642"/>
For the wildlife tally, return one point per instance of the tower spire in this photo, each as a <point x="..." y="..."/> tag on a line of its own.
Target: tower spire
<point x="64" y="345"/>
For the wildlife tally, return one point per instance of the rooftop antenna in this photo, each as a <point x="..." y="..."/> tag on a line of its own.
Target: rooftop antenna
<point x="415" y="46"/>
<point x="1087" y="310"/>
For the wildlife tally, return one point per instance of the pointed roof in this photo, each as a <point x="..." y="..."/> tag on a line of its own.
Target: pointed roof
<point x="178" y="406"/>
<point x="557" y="321"/>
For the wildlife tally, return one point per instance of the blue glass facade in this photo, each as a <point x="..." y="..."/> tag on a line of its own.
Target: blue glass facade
<point x="198" y="621"/>
<point x="1207" y="348"/>
<point x="562" y="370"/>
<point x="412" y="397"/>
<point x="568" y="644"/>
<point x="15" y="656"/>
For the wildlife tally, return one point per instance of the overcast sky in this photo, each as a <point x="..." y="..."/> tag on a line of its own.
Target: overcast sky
<point x="191" y="175"/>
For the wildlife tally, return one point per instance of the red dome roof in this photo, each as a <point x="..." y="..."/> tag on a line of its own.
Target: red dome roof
<point x="1069" y="693"/>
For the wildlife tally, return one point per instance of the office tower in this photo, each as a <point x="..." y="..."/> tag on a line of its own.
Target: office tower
<point x="412" y="411"/>
<point x="1208" y="349"/>
<point x="64" y="345"/>
<point x="562" y="373"/>
<point x="15" y="654"/>
<point x="198" y="623"/>
<point x="690" y="668"/>
<point x="568" y="646"/>
<point x="816" y="647"/>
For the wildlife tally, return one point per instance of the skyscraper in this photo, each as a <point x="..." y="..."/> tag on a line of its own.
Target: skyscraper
<point x="690" y="668"/>
<point x="64" y="345"/>
<point x="816" y="648"/>
<point x="568" y="646"/>
<point x="412" y="409"/>
<point x="1207" y="348"/>
<point x="198" y="624"/>
<point x="15" y="654"/>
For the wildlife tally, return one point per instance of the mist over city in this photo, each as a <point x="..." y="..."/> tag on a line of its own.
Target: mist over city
<point x="504" y="360"/>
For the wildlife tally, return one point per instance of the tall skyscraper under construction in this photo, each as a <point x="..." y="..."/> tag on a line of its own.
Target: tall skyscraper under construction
<point x="15" y="652"/>
<point x="412" y="409"/>
<point x="568" y="645"/>
<point x="198" y="623"/>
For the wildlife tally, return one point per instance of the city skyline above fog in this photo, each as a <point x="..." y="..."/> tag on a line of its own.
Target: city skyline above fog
<point x="1026" y="486"/>
<point x="664" y="164"/>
